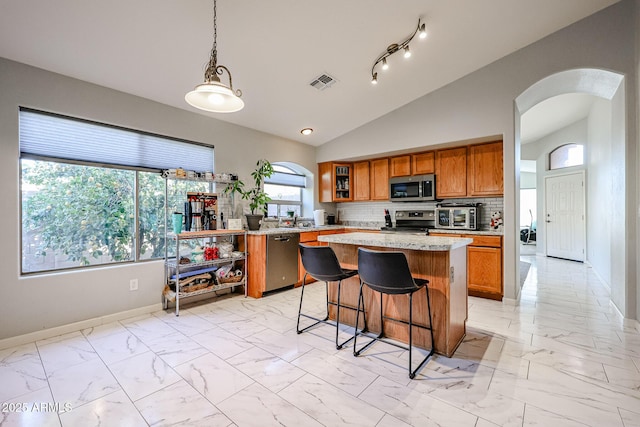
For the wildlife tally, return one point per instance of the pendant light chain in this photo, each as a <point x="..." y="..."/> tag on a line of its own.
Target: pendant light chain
<point x="212" y="66"/>
<point x="214" y="52"/>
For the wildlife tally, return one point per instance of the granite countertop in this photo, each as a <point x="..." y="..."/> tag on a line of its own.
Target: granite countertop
<point x="293" y="230"/>
<point x="420" y="242"/>
<point x="477" y="232"/>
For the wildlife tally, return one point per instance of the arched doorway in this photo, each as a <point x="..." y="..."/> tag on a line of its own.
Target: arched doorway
<point x="605" y="203"/>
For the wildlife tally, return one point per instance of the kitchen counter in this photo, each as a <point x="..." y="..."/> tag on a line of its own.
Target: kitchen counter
<point x="417" y="242"/>
<point x="441" y="260"/>
<point x="290" y="230"/>
<point x="287" y="230"/>
<point x="477" y="232"/>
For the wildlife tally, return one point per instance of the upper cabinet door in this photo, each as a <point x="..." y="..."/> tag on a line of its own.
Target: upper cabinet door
<point x="380" y="179"/>
<point x="485" y="170"/>
<point x="423" y="163"/>
<point x="400" y="166"/>
<point x="451" y="172"/>
<point x="361" y="185"/>
<point x="325" y="182"/>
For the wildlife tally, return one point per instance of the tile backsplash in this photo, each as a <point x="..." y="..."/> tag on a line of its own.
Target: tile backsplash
<point x="372" y="213"/>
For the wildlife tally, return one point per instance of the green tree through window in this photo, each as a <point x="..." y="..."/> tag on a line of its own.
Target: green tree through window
<point x="79" y="215"/>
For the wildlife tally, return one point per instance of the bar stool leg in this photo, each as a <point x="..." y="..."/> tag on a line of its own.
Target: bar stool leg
<point x="355" y="332"/>
<point x="298" y="330"/>
<point x="430" y="318"/>
<point x="338" y="346"/>
<point x="412" y="374"/>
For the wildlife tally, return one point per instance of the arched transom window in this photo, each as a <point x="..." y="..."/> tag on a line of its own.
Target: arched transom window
<point x="566" y="156"/>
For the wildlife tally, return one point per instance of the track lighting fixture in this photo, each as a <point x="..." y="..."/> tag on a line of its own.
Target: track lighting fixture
<point x="395" y="47"/>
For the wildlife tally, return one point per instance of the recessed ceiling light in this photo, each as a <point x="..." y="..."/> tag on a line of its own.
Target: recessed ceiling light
<point x="306" y="131"/>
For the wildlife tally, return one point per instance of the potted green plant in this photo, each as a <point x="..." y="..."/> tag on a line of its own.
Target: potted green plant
<point x="257" y="197"/>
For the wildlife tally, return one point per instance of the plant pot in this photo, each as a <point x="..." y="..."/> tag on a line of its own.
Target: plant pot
<point x="253" y="221"/>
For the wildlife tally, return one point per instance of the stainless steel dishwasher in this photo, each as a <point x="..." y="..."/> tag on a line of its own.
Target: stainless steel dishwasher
<point x="282" y="260"/>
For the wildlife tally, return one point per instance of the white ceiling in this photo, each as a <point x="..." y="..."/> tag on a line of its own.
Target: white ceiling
<point x="157" y="49"/>
<point x="554" y="114"/>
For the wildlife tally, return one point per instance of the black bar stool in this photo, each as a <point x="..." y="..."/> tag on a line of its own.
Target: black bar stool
<point x="388" y="273"/>
<point x="321" y="263"/>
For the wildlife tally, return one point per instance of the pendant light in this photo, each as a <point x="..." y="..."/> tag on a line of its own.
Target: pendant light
<point x="213" y="95"/>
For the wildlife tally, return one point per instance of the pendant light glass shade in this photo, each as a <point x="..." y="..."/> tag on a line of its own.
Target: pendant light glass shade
<point x="214" y="97"/>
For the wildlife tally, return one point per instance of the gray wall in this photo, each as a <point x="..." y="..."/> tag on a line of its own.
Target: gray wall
<point x="37" y="302"/>
<point x="636" y="141"/>
<point x="528" y="180"/>
<point x="482" y="104"/>
<point x="599" y="189"/>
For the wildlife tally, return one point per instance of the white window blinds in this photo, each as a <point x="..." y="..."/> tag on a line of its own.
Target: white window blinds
<point x="57" y="137"/>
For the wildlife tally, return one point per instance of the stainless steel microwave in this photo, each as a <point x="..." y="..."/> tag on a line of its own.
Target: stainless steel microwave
<point x="412" y="188"/>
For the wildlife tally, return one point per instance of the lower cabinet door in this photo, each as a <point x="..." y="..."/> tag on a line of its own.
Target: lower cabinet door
<point x="484" y="271"/>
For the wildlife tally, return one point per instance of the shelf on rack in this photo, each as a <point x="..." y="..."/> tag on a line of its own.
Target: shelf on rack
<point x="218" y="261"/>
<point x="171" y="295"/>
<point x="194" y="179"/>
<point x="204" y="234"/>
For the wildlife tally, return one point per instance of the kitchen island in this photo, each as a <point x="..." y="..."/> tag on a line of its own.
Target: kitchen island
<point x="441" y="260"/>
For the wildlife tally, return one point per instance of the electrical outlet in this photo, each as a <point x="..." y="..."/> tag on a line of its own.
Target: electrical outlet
<point x="133" y="284"/>
<point x="451" y="275"/>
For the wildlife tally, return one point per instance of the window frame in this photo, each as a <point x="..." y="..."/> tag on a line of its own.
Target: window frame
<point x="280" y="202"/>
<point x="136" y="245"/>
<point x="561" y="149"/>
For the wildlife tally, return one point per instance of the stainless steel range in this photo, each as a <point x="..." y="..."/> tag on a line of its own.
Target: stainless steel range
<point x="413" y="221"/>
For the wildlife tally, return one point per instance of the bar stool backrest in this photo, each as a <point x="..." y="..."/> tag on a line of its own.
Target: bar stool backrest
<point x="386" y="272"/>
<point x="321" y="263"/>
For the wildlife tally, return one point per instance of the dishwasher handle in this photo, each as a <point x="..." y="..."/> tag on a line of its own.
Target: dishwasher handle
<point x="282" y="238"/>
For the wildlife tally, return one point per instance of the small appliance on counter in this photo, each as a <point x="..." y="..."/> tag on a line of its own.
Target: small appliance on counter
<point x="318" y="217"/>
<point x="458" y="216"/>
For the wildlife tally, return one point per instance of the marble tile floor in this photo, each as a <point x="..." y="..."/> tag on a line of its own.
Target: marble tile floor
<point x="560" y="357"/>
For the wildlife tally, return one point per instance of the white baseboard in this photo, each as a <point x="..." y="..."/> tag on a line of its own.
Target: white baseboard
<point x="76" y="326"/>
<point x="511" y="301"/>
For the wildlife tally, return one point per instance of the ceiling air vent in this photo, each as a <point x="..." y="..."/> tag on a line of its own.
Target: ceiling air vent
<point x="323" y="82"/>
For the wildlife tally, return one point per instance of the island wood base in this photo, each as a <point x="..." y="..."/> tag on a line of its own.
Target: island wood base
<point x="448" y="298"/>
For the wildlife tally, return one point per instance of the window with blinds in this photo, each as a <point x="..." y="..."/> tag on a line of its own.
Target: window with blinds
<point x="91" y="193"/>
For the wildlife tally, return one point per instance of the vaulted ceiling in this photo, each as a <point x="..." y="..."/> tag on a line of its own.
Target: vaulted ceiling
<point x="157" y="49"/>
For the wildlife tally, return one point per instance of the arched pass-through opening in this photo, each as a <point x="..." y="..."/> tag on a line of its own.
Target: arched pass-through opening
<point x="609" y="86"/>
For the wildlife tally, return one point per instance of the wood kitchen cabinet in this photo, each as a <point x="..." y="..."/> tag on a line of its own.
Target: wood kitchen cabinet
<point x="423" y="163"/>
<point x="379" y="179"/>
<point x="308" y="238"/>
<point x="484" y="265"/>
<point x="257" y="259"/>
<point x="335" y="182"/>
<point x="485" y="170"/>
<point x="361" y="181"/>
<point x="400" y="166"/>
<point x="451" y="172"/>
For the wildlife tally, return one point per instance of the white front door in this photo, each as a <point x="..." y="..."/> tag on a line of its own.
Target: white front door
<point x="564" y="216"/>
